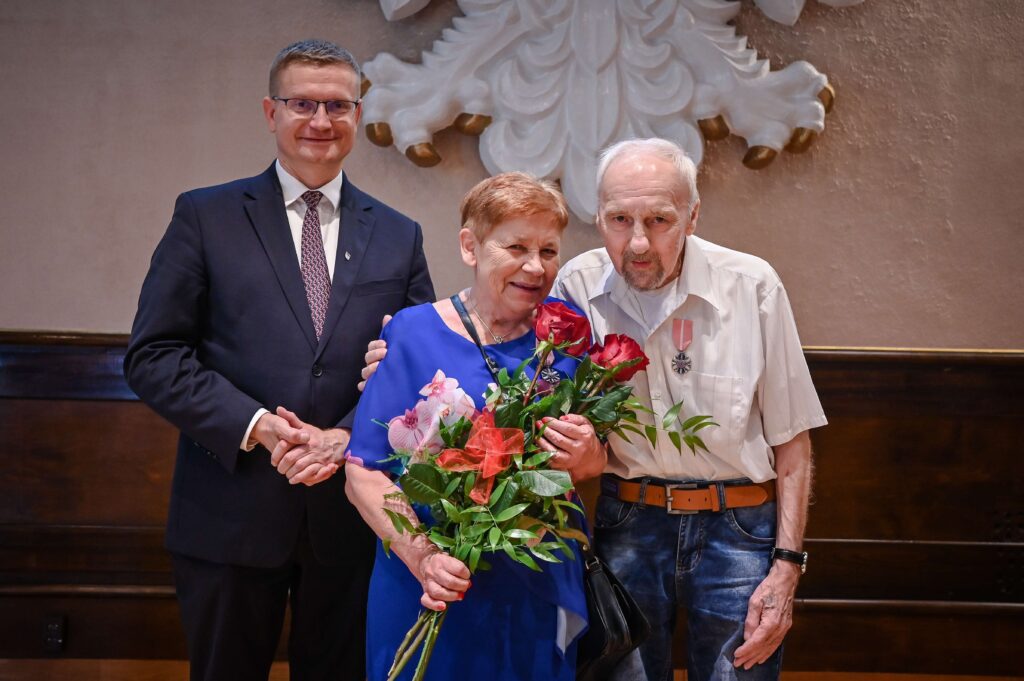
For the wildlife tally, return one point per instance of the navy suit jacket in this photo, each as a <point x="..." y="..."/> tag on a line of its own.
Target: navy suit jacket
<point x="223" y="328"/>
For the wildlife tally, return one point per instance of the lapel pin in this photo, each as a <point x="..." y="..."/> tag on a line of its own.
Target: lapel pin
<point x="348" y="256"/>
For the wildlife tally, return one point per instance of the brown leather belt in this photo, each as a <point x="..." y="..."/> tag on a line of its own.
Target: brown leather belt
<point x="688" y="497"/>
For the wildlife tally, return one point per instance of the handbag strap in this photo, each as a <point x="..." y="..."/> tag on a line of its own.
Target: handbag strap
<point x="492" y="366"/>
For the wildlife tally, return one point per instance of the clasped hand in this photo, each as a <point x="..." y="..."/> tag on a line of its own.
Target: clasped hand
<point x="301" y="452"/>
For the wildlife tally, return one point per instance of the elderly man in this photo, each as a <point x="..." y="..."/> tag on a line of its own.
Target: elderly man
<point x="718" y="532"/>
<point x="262" y="295"/>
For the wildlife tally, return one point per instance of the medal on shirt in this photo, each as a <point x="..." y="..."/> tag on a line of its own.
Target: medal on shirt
<point x="682" y="336"/>
<point x="549" y="373"/>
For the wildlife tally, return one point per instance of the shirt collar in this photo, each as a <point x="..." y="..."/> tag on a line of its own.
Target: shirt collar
<point x="694" y="279"/>
<point x="293" y="189"/>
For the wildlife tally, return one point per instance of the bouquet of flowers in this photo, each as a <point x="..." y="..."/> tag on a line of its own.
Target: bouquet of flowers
<point x="482" y="474"/>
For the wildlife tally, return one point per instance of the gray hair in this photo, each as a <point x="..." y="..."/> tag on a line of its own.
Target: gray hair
<point x="318" y="52"/>
<point x="656" y="146"/>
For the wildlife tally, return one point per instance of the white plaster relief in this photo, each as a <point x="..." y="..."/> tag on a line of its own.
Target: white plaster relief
<point x="558" y="80"/>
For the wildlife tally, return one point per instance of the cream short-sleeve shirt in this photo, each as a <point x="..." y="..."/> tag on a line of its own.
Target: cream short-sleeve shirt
<point x="747" y="369"/>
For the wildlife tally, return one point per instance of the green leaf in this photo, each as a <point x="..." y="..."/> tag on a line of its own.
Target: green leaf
<point x="671" y="416"/>
<point x="545" y="483"/>
<point x="441" y="540"/>
<point x="497" y="492"/>
<point x="704" y="425"/>
<point x="386" y="544"/>
<point x="510" y="512"/>
<point x="474" y="558"/>
<point x="544" y="554"/>
<point x="507" y="497"/>
<point x="524" y="558"/>
<point x="453" y="485"/>
<point x="494" y="537"/>
<point x="674" y="436"/>
<point x="450" y="511"/>
<point x="652" y="435"/>
<point x="475" y="530"/>
<point x="521" y="534"/>
<point x="694" y="420"/>
<point x="400" y="522"/>
<point x="568" y="504"/>
<point x="537" y="459"/>
<point x="422" y="483"/>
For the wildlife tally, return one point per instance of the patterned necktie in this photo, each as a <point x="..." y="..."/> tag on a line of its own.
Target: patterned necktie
<point x="314" y="263"/>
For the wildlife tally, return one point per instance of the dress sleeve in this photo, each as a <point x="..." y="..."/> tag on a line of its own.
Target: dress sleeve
<point x="389" y="392"/>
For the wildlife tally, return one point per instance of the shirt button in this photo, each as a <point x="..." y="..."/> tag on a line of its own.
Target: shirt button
<point x="318" y="371"/>
<point x="656" y="394"/>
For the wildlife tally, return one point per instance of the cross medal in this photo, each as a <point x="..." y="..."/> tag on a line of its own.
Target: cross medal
<point x="550" y="373"/>
<point x="682" y="336"/>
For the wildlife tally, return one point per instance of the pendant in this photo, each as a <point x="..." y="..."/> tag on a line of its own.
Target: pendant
<point x="550" y="375"/>
<point x="681" y="363"/>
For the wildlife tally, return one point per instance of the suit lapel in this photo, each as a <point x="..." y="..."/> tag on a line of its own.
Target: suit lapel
<point x="354" y="238"/>
<point x="264" y="204"/>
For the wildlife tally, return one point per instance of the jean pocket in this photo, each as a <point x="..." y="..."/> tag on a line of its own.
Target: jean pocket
<point x="755" y="523"/>
<point x="612" y="513"/>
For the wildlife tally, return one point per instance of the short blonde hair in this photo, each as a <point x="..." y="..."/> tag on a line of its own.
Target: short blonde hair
<point x="507" y="196"/>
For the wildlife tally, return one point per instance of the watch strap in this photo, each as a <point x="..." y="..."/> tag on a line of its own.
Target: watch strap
<point x="798" y="557"/>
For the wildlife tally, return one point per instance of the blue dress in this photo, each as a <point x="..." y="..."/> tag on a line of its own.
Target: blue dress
<point x="509" y="625"/>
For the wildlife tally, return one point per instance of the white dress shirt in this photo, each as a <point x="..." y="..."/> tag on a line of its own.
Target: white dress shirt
<point x="747" y="367"/>
<point x="329" y="210"/>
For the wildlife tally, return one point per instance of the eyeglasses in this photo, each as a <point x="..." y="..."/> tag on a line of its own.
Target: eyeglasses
<point x="336" y="108"/>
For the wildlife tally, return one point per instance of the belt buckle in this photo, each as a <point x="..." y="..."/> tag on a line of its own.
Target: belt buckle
<point x="668" y="498"/>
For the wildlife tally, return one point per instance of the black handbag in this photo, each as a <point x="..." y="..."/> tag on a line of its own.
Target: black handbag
<point x="617" y="626"/>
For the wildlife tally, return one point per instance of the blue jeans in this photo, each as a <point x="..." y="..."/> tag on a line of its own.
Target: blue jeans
<point x="709" y="563"/>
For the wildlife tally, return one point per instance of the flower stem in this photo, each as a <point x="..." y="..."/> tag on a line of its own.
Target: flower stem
<point x="405" y="651"/>
<point x="536" y="375"/>
<point x="428" y="645"/>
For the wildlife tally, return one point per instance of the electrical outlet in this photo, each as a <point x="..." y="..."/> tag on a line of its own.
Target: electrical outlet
<point x="55" y="630"/>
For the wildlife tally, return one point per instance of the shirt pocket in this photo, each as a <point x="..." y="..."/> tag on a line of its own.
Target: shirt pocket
<point x="726" y="400"/>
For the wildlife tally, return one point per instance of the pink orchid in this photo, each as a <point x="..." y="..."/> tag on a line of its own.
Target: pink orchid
<point x="408" y="431"/>
<point x="440" y="387"/>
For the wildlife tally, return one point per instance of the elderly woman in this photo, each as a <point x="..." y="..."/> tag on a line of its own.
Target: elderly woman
<point x="514" y="623"/>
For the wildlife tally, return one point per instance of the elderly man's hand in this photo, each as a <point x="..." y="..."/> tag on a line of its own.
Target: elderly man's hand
<point x="443" y="578"/>
<point x="573" y="440"/>
<point x="769" y="615"/>
<point x="315" y="461"/>
<point x="375" y="351"/>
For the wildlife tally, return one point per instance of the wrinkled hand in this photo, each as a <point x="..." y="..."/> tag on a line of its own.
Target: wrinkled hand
<point x="375" y="351"/>
<point x="769" y="615"/>
<point x="311" y="462"/>
<point x="573" y="440"/>
<point x="443" y="578"/>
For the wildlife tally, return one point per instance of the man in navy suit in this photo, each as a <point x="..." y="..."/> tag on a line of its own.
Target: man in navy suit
<point x="248" y="338"/>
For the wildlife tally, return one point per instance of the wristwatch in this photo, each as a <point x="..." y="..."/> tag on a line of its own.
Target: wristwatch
<point x="800" y="558"/>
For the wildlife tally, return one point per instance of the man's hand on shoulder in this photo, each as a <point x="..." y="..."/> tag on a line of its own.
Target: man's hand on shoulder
<point x="316" y="459"/>
<point x="375" y="351"/>
<point x="769" y="615"/>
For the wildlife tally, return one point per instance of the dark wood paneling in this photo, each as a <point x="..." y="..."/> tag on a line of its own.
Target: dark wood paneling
<point x="78" y="462"/>
<point x="916" y="534"/>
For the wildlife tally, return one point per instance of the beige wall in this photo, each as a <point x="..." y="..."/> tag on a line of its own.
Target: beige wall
<point x="901" y="226"/>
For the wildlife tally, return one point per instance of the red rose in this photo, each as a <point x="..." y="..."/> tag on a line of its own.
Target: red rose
<point x="559" y="324"/>
<point x="619" y="349"/>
